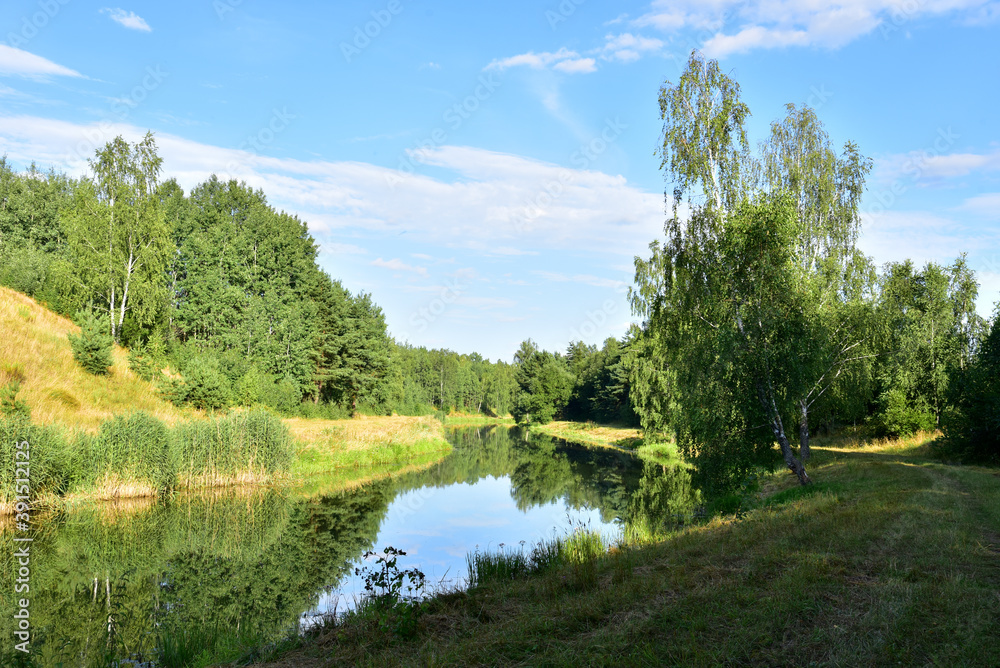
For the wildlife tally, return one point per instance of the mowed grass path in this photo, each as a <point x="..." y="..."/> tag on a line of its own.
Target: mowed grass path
<point x="889" y="559"/>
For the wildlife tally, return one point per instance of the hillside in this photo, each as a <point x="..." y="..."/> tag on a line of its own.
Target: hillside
<point x="34" y="349"/>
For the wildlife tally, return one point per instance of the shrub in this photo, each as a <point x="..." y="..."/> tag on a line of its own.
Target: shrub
<point x="900" y="417"/>
<point x="205" y="385"/>
<point x="142" y="362"/>
<point x="972" y="427"/>
<point x="10" y="405"/>
<point x="92" y="348"/>
<point x="284" y="396"/>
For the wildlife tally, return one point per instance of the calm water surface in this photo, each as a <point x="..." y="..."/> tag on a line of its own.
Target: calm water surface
<point x="269" y="561"/>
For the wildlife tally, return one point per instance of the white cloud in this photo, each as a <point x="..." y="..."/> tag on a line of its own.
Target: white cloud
<point x="570" y="61"/>
<point x="737" y="26"/>
<point x="586" y="279"/>
<point x="129" y="20"/>
<point x="986" y="205"/>
<point x="15" y="61"/>
<point x="932" y="164"/>
<point x="751" y="38"/>
<point x="491" y="203"/>
<point x="576" y="66"/>
<point x="396" y="264"/>
<point x="627" y="47"/>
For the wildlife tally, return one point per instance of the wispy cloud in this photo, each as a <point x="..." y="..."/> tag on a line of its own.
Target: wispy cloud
<point x="929" y="165"/>
<point x="127" y="19"/>
<point x="483" y="201"/>
<point x="562" y="60"/>
<point x="986" y="205"/>
<point x="785" y="23"/>
<point x="627" y="47"/>
<point x="396" y="264"/>
<point x="14" y="61"/>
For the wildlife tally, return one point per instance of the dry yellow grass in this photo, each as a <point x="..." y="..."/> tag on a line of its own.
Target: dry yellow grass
<point x="364" y="432"/>
<point x="589" y="433"/>
<point x="34" y="349"/>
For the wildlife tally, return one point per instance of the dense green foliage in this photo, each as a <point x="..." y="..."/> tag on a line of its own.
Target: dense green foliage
<point x="92" y="347"/>
<point x="972" y="422"/>
<point x="221" y="289"/>
<point x="759" y="313"/>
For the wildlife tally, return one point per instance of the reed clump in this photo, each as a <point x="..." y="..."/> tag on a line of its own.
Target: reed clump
<point x="138" y="455"/>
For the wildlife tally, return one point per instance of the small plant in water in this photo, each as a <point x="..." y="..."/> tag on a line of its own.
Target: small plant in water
<point x="385" y="585"/>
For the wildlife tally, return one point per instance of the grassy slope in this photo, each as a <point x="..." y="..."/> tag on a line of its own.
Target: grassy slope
<point x="890" y="559"/>
<point x="34" y="345"/>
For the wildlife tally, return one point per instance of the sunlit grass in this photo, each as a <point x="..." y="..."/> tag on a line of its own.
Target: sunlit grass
<point x="888" y="559"/>
<point x="590" y="433"/>
<point x="34" y="346"/>
<point x="325" y="446"/>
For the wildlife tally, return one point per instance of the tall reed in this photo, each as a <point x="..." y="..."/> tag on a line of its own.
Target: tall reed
<point x="244" y="446"/>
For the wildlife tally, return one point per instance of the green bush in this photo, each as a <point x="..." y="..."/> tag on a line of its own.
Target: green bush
<point x="284" y="396"/>
<point x="10" y="405"/>
<point x="142" y="362"/>
<point x="900" y="417"/>
<point x="23" y="266"/>
<point x="219" y="448"/>
<point x="133" y="448"/>
<point x="205" y="386"/>
<point x="92" y="348"/>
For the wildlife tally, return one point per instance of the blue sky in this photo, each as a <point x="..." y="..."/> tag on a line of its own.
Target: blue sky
<point x="488" y="172"/>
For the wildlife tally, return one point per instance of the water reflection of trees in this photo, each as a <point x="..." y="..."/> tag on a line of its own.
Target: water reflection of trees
<point x="247" y="564"/>
<point x="541" y="469"/>
<point x="110" y="579"/>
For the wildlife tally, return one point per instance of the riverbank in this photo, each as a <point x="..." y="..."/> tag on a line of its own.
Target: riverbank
<point x="138" y="456"/>
<point x="592" y="434"/>
<point x="326" y="446"/>
<point x="477" y="420"/>
<point x="889" y="558"/>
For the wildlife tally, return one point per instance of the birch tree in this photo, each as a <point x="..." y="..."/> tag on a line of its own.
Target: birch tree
<point x="742" y="303"/>
<point x="118" y="233"/>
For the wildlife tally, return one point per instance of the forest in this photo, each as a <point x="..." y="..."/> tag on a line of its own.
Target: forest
<point x="760" y="322"/>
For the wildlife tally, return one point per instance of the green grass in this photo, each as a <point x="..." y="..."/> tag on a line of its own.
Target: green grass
<point x="361" y="444"/>
<point x="461" y="420"/>
<point x="889" y="559"/>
